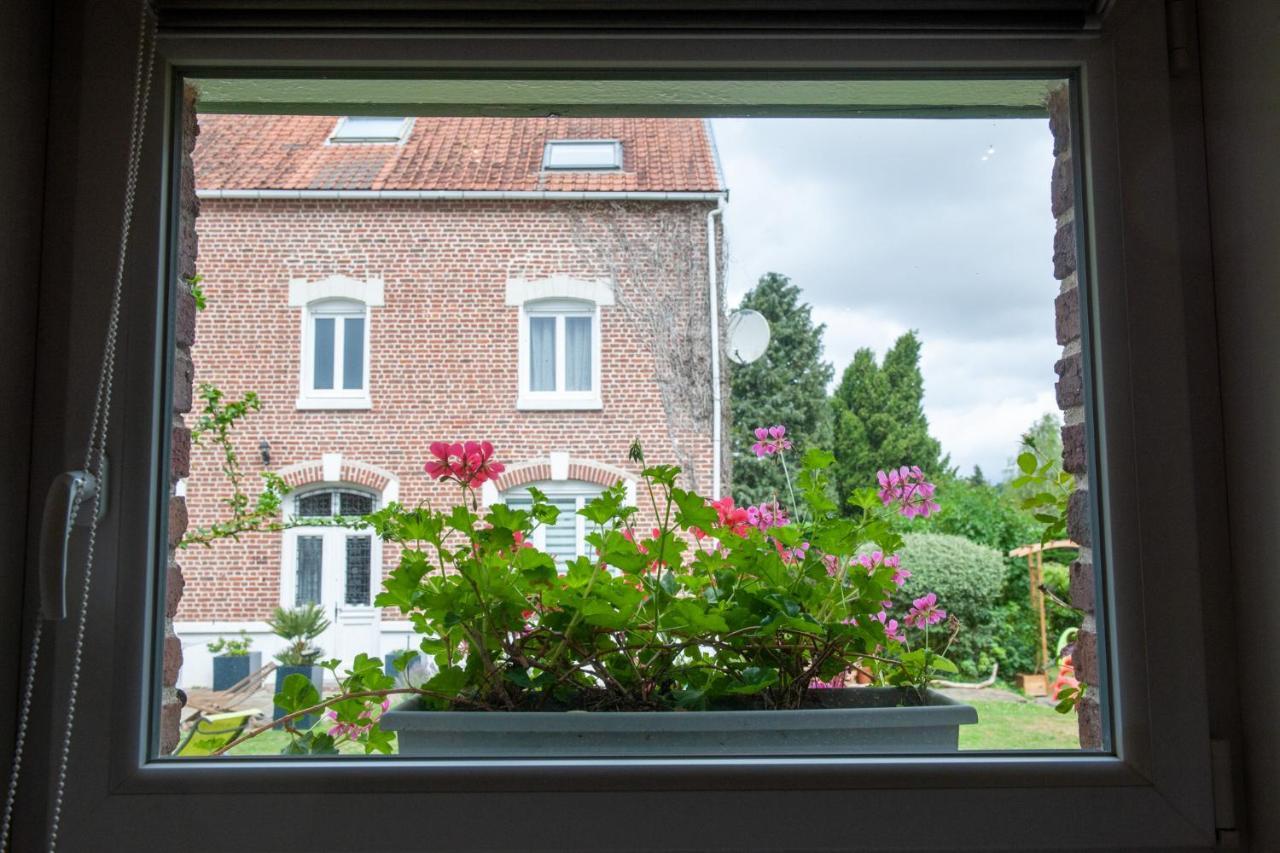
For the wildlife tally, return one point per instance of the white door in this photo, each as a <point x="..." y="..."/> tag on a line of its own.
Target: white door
<point x="336" y="567"/>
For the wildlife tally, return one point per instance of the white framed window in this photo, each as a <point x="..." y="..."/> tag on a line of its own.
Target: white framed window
<point x="582" y="155"/>
<point x="335" y="355"/>
<point x="565" y="540"/>
<point x="371" y="129"/>
<point x="559" y="359"/>
<point x="334" y="341"/>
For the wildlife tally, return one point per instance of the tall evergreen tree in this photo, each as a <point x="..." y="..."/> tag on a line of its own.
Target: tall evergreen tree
<point x="878" y="415"/>
<point x="787" y="385"/>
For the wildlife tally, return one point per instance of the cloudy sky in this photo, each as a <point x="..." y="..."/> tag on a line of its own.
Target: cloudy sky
<point x="890" y="225"/>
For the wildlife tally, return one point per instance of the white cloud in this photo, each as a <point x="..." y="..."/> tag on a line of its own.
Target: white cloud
<point x="890" y="225"/>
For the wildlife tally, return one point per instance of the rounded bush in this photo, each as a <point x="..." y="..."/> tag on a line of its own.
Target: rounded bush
<point x="968" y="579"/>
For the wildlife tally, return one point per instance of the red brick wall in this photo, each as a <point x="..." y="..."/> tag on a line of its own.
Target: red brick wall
<point x="443" y="360"/>
<point x="180" y="439"/>
<point x="1070" y="394"/>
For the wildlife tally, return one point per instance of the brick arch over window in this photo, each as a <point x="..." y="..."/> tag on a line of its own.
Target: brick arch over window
<point x="585" y="470"/>
<point x="313" y="472"/>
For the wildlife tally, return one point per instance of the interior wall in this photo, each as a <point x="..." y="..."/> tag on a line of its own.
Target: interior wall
<point x="24" y="85"/>
<point x="1240" y="62"/>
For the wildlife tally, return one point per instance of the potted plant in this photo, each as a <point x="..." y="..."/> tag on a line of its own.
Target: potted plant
<point x="232" y="660"/>
<point x="299" y="626"/>
<point x="714" y="630"/>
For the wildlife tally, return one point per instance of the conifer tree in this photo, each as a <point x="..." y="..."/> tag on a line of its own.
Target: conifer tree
<point x="878" y="417"/>
<point x="787" y="385"/>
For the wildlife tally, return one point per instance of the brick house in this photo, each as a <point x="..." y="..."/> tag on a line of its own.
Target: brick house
<point x="545" y="284"/>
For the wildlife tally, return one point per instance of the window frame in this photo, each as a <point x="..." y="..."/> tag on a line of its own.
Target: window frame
<point x="1142" y="796"/>
<point x="569" y="143"/>
<point x="348" y="297"/>
<point x="581" y="491"/>
<point x="406" y="125"/>
<point x="311" y="397"/>
<point x="559" y="399"/>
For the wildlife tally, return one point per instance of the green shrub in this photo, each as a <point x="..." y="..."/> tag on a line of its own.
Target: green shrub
<point x="968" y="579"/>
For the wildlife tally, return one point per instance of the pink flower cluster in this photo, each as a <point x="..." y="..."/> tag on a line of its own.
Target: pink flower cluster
<point x="354" y="730"/>
<point x="908" y="489"/>
<point x="771" y="440"/>
<point x="925" y="611"/>
<point x="470" y="463"/>
<point x="877" y="559"/>
<point x="766" y="515"/>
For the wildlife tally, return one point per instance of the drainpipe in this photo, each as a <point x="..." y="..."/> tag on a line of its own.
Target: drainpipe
<point x="713" y="283"/>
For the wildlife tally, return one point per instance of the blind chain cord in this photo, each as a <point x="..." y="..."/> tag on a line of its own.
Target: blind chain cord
<point x="94" y="461"/>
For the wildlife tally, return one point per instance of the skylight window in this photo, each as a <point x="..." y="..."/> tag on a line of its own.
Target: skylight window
<point x="371" y="129"/>
<point x="582" y="154"/>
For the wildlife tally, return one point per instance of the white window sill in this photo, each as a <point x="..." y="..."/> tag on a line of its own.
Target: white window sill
<point x="557" y="402"/>
<point x="316" y="403"/>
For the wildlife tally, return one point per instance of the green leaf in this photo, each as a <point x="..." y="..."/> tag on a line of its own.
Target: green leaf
<point x="817" y="459"/>
<point x="448" y="681"/>
<point x="1027" y="463"/>
<point x="296" y="692"/>
<point x="377" y="740"/>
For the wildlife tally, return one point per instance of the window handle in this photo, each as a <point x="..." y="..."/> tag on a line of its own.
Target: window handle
<point x="63" y="509"/>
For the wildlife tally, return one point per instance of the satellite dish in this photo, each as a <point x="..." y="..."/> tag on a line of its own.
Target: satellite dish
<point x="748" y="335"/>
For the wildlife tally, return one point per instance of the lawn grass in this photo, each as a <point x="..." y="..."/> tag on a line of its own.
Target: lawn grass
<point x="1019" y="725"/>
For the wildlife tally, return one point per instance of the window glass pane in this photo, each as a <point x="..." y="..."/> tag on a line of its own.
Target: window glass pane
<point x="562" y="537"/>
<point x="577" y="353"/>
<point x="369" y="129"/>
<point x="542" y="353"/>
<point x="322" y="376"/>
<point x="582" y="155"/>
<point x="315" y="505"/>
<point x="351" y="504"/>
<point x="310" y="555"/>
<point x="945" y="362"/>
<point x="353" y="353"/>
<point x="359" y="551"/>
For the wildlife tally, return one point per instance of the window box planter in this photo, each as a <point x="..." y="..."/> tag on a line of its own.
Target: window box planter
<point x="849" y="721"/>
<point x="229" y="670"/>
<point x="315" y="674"/>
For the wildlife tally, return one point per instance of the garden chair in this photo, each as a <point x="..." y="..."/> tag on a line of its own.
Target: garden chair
<point x="221" y="701"/>
<point x="210" y="733"/>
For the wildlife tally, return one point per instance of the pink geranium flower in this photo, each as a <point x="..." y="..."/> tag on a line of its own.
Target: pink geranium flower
<point x="770" y="440"/>
<point x="925" y="611"/>
<point x="891" y="629"/>
<point x="469" y="463"/>
<point x="907" y="488"/>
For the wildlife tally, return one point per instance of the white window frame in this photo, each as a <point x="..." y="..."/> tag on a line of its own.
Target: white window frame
<point x="581" y="491"/>
<point x="336" y="138"/>
<point x="337" y="297"/>
<point x="1154" y="791"/>
<point x="559" y="398"/>
<point x="615" y="166"/>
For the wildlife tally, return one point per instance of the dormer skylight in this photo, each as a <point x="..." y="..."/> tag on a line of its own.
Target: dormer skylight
<point x="385" y="129"/>
<point x="582" y="155"/>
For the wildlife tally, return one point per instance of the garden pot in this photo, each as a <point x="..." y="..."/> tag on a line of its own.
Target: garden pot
<point x="315" y="674"/>
<point x="228" y="670"/>
<point x="848" y="721"/>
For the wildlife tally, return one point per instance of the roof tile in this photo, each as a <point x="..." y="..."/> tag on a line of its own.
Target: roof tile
<point x="473" y="153"/>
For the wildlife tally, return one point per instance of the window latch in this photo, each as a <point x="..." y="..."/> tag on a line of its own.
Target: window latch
<point x="64" y="509"/>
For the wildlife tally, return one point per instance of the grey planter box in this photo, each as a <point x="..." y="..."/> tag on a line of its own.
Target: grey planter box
<point x="229" y="670"/>
<point x="850" y="721"/>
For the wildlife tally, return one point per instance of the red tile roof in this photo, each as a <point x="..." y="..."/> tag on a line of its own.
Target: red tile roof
<point x="290" y="152"/>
